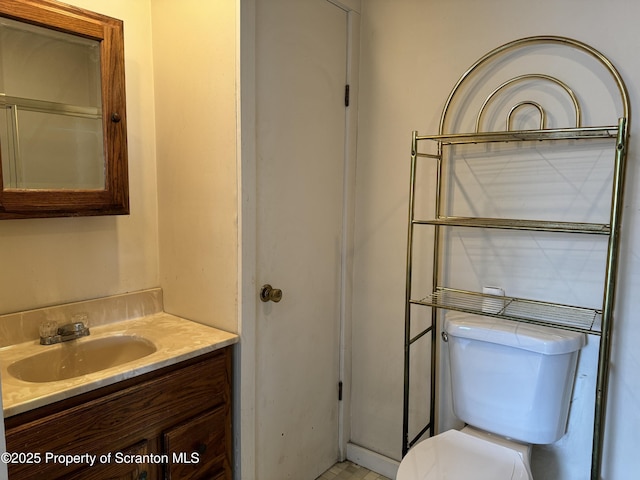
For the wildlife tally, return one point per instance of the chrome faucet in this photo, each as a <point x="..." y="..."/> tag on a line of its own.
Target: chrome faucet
<point x="50" y="333"/>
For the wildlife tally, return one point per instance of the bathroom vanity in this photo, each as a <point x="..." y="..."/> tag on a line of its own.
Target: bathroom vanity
<point x="166" y="414"/>
<point x="171" y="423"/>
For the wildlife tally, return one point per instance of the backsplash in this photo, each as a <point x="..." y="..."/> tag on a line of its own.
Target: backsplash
<point x="23" y="326"/>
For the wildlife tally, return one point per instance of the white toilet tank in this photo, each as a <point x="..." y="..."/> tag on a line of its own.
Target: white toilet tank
<point x="512" y="379"/>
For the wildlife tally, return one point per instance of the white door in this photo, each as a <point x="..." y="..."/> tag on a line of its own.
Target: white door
<point x="301" y="60"/>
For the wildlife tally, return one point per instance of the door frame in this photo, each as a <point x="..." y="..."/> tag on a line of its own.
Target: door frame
<point x="244" y="388"/>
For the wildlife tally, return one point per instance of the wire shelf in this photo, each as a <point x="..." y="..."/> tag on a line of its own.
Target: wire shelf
<point x="525" y="135"/>
<point x="586" y="320"/>
<point x="518" y="224"/>
<point x="519" y="309"/>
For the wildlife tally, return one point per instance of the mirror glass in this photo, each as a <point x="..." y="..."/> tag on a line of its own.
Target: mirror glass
<point x="51" y="132"/>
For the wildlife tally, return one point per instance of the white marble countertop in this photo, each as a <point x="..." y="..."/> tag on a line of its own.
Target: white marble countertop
<point x="175" y="339"/>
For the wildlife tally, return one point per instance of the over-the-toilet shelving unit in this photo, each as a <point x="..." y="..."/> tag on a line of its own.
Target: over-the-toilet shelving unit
<point x="593" y="321"/>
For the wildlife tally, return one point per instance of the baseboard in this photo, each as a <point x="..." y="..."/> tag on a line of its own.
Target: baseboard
<point x="373" y="461"/>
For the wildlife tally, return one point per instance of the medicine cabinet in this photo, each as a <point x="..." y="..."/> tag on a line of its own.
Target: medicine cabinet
<point x="62" y="112"/>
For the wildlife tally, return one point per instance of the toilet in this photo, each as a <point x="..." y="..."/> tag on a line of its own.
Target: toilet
<point x="511" y="384"/>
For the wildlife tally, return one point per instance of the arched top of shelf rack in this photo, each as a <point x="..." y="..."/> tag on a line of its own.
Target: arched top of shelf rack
<point x="573" y="131"/>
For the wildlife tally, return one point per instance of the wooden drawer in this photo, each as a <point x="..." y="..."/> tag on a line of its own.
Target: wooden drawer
<point x="199" y="447"/>
<point x="118" y="471"/>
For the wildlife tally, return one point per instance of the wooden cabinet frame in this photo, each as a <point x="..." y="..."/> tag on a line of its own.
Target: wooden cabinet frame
<point x="114" y="198"/>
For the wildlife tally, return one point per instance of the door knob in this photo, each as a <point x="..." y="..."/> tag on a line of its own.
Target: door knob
<point x="268" y="293"/>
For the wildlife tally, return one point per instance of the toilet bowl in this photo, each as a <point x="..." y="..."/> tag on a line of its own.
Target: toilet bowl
<point x="466" y="455"/>
<point x="511" y="385"/>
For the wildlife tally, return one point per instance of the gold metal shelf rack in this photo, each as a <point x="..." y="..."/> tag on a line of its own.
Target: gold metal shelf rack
<point x="591" y="321"/>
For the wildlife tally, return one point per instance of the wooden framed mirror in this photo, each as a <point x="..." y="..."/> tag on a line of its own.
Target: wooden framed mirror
<point x="63" y="129"/>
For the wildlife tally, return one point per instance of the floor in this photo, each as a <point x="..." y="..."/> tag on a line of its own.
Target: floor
<point x="350" y="471"/>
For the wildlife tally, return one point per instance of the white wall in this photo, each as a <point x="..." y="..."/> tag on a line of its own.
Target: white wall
<point x="58" y="260"/>
<point x="194" y="48"/>
<point x="412" y="53"/>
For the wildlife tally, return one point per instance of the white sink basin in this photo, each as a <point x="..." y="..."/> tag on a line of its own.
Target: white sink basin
<point x="80" y="357"/>
<point x="35" y="375"/>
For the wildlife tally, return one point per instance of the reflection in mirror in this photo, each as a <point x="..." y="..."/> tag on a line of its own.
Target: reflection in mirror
<point x="51" y="130"/>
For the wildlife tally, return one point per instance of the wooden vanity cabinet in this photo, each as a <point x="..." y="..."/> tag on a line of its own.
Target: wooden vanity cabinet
<point x="174" y="423"/>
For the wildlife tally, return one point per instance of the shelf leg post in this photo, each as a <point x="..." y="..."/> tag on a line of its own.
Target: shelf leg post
<point x="407" y="312"/>
<point x="608" y="302"/>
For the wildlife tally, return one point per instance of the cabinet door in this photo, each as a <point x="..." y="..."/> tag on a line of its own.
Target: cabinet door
<point x="200" y="447"/>
<point x="134" y="467"/>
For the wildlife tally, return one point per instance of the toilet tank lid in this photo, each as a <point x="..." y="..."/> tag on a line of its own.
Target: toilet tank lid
<point x="535" y="338"/>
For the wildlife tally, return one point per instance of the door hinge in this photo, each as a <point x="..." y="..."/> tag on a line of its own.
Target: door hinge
<point x="346" y="95"/>
<point x="339" y="391"/>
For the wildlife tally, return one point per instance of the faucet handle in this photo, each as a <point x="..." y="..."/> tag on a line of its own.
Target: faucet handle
<point x="48" y="329"/>
<point x="82" y="317"/>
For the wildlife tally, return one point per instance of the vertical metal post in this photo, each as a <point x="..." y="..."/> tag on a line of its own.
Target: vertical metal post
<point x="407" y="312"/>
<point x="608" y="301"/>
<point x="435" y="282"/>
